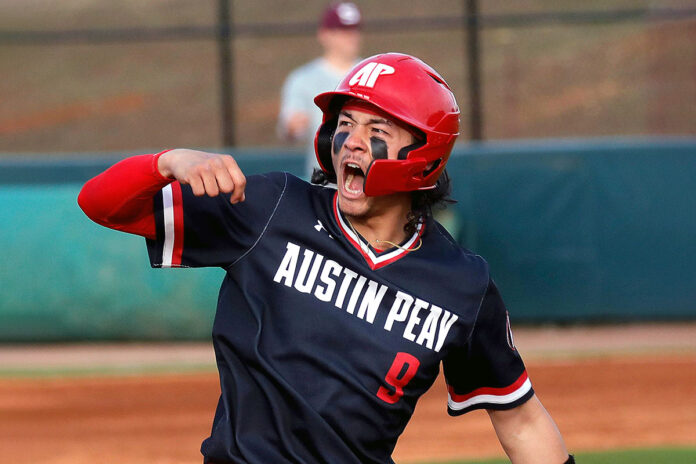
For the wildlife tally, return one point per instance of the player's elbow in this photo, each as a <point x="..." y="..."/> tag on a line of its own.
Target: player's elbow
<point x="89" y="202"/>
<point x="84" y="201"/>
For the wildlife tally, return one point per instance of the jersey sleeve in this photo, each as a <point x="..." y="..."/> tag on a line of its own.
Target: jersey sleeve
<point x="210" y="231"/>
<point x="487" y="371"/>
<point x="121" y="197"/>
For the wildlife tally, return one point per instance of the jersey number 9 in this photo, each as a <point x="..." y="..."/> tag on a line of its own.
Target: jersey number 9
<point x="396" y="379"/>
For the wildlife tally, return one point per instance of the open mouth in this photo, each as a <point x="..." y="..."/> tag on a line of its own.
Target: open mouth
<point x="353" y="178"/>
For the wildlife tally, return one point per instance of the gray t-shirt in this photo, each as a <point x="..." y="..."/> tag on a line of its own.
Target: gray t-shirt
<point x="300" y="88"/>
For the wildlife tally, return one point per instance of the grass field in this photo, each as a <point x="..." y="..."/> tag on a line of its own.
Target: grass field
<point x="637" y="456"/>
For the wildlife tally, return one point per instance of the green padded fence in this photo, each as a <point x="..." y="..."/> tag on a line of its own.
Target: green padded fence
<point x="585" y="230"/>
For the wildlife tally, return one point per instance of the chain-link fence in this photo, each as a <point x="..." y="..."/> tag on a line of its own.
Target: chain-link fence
<point x="137" y="76"/>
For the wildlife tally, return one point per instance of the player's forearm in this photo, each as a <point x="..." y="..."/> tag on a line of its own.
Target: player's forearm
<point x="121" y="196"/>
<point x="529" y="435"/>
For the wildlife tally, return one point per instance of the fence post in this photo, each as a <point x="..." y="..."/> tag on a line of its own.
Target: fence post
<point x="474" y="69"/>
<point x="225" y="73"/>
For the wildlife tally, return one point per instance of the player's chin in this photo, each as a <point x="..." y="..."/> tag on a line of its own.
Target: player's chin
<point x="353" y="205"/>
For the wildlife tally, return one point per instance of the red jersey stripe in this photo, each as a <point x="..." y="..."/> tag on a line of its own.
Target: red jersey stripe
<point x="373" y="261"/>
<point x="177" y="206"/>
<point x="502" y="391"/>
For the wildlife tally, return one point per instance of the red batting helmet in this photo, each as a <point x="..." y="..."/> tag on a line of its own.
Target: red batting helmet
<point x="410" y="91"/>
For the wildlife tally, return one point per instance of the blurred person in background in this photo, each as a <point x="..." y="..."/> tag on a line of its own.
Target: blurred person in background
<point x="339" y="37"/>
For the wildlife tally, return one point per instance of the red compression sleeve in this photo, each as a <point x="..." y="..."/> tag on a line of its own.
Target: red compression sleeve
<point x="121" y="197"/>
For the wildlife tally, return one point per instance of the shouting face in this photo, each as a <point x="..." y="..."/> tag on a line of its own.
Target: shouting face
<point x="365" y="133"/>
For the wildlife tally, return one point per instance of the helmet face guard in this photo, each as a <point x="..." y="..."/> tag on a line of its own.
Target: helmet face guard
<point x="411" y="92"/>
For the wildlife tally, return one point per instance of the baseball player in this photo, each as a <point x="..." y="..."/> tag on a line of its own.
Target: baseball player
<point x="341" y="299"/>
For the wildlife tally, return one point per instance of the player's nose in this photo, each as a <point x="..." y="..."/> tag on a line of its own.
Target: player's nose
<point x="357" y="139"/>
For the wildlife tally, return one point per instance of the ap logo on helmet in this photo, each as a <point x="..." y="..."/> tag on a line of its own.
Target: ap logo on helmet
<point x="368" y="74"/>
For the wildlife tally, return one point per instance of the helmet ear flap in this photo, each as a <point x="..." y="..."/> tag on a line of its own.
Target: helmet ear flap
<point x="322" y="147"/>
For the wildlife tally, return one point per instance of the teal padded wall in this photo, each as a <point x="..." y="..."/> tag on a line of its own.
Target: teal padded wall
<point x="64" y="277"/>
<point x="586" y="230"/>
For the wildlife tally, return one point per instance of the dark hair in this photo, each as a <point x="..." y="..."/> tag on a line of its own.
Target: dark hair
<point x="422" y="201"/>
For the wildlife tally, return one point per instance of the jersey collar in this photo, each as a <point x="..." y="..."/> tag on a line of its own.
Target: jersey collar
<point x="373" y="259"/>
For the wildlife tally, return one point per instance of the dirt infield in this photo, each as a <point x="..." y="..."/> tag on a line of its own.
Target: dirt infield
<point x="605" y="387"/>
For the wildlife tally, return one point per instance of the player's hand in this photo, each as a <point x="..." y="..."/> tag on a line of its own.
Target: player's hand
<point x="296" y="126"/>
<point x="207" y="173"/>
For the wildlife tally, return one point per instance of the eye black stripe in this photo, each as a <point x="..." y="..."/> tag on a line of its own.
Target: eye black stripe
<point x="379" y="148"/>
<point x="338" y="140"/>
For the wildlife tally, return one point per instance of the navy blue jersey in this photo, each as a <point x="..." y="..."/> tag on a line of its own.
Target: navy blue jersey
<point x="323" y="343"/>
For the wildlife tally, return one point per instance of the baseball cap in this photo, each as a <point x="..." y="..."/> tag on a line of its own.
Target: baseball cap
<point x="341" y="15"/>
